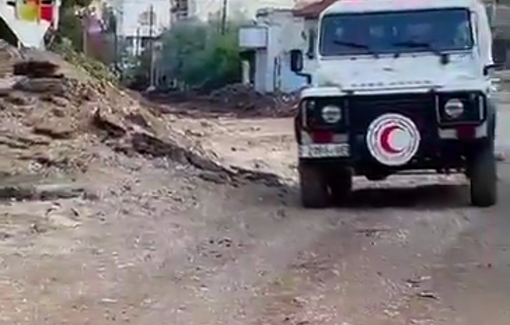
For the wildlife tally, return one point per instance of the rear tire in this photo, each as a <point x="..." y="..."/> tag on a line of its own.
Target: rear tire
<point x="483" y="177"/>
<point x="313" y="186"/>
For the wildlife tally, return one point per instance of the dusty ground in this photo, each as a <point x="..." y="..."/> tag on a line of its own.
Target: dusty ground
<point x="154" y="241"/>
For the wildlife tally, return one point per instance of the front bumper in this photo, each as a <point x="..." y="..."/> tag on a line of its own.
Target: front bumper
<point x="441" y="143"/>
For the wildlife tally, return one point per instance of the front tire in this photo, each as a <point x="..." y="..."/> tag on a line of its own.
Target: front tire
<point x="483" y="177"/>
<point x="313" y="186"/>
<point x="340" y="184"/>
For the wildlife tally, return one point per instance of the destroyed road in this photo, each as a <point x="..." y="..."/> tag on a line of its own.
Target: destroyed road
<point x="157" y="242"/>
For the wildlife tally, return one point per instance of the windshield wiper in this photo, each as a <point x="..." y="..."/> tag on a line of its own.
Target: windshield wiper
<point x="414" y="44"/>
<point x="356" y="45"/>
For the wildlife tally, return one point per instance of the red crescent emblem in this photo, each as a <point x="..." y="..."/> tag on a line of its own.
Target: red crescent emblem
<point x="384" y="139"/>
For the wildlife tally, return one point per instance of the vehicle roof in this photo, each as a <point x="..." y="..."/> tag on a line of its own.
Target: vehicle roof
<point x="344" y="6"/>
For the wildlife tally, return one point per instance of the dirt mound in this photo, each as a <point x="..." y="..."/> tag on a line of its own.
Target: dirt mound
<point x="54" y="122"/>
<point x="236" y="100"/>
<point x="241" y="96"/>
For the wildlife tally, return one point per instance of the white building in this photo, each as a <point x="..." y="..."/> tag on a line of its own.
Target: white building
<point x="138" y="21"/>
<point x="267" y="46"/>
<point x="202" y="9"/>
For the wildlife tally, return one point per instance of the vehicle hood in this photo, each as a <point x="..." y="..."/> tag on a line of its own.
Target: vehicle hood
<point x="424" y="72"/>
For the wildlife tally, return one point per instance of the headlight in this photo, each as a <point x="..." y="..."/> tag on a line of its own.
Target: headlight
<point x="331" y="114"/>
<point x="454" y="108"/>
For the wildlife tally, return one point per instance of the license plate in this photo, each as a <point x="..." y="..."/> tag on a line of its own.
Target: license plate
<point x="324" y="150"/>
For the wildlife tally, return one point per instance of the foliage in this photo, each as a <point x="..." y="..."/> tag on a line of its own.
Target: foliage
<point x="137" y="72"/>
<point x="70" y="23"/>
<point x="198" y="55"/>
<point x="95" y="68"/>
<point x="69" y="40"/>
<point x="75" y="3"/>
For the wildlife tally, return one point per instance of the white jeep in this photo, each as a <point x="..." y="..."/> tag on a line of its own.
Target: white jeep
<point x="400" y="85"/>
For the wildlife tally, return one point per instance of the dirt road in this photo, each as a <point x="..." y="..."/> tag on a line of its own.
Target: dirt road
<point x="155" y="242"/>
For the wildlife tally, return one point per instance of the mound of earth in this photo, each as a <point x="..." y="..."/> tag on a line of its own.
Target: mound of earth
<point x="55" y="118"/>
<point x="237" y="100"/>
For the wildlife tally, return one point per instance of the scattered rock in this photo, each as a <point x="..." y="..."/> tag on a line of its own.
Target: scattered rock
<point x="106" y="121"/>
<point x="59" y="101"/>
<point x="43" y="86"/>
<point x="90" y="195"/>
<point x="213" y="177"/>
<point x="428" y="295"/>
<point x="59" y="220"/>
<point x="36" y="69"/>
<point x="40" y="192"/>
<point x="281" y="213"/>
<point x="416" y="282"/>
<point x="194" y="133"/>
<point x="18" y="98"/>
<point x="55" y="128"/>
<point x="58" y="191"/>
<point x="39" y="228"/>
<point x="370" y="232"/>
<point x="19" y="193"/>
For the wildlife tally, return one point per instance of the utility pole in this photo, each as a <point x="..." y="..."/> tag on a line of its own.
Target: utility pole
<point x="85" y="31"/>
<point x="151" y="47"/>
<point x="113" y="25"/>
<point x="137" y="42"/>
<point x="224" y="17"/>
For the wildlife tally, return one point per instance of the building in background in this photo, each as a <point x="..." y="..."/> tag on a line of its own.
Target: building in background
<point x="204" y="9"/>
<point x="139" y="22"/>
<point x="267" y="45"/>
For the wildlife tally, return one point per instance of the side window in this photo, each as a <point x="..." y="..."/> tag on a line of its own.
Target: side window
<point x="312" y="38"/>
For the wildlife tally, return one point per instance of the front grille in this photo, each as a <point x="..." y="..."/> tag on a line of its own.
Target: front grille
<point x="420" y="108"/>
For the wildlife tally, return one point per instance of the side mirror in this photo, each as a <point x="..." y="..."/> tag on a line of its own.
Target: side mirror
<point x="489" y="67"/>
<point x="296" y="60"/>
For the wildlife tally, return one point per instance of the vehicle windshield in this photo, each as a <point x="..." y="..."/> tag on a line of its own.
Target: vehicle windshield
<point x="396" y="32"/>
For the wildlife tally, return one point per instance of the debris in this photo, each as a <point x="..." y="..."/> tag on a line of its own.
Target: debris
<point x="108" y="122"/>
<point x="43" y="86"/>
<point x="428" y="295"/>
<point x="58" y="191"/>
<point x="18" y="98"/>
<point x="36" y="69"/>
<point x="213" y="177"/>
<point x="233" y="99"/>
<point x="391" y="313"/>
<point x="55" y="128"/>
<point x="60" y="220"/>
<point x="369" y="232"/>
<point x="416" y="282"/>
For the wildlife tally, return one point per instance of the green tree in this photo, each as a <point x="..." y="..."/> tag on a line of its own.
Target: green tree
<point x="197" y="54"/>
<point x="70" y="24"/>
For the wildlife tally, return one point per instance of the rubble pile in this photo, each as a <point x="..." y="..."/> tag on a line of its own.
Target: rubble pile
<point x="55" y="119"/>
<point x="8" y="56"/>
<point x="246" y="98"/>
<point x="240" y="96"/>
